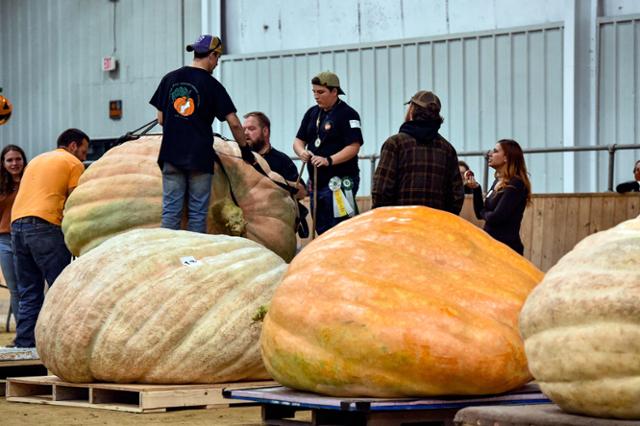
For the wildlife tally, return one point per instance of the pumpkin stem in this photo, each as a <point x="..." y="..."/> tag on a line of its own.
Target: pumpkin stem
<point x="260" y="314"/>
<point x="226" y="212"/>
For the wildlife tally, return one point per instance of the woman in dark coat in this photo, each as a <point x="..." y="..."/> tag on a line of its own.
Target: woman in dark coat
<point x="503" y="207"/>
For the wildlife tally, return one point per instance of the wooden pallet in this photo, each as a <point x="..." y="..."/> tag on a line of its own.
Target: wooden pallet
<point x="19" y="368"/>
<point x="133" y="398"/>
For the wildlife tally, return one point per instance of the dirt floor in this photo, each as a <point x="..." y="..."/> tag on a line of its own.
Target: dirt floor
<point x="14" y="413"/>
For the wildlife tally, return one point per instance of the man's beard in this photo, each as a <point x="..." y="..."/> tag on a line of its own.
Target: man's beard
<point x="258" y="145"/>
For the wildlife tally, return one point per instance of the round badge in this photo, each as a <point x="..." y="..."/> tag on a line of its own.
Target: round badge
<point x="327" y="126"/>
<point x="317" y="142"/>
<point x="335" y="183"/>
<point x="347" y="183"/>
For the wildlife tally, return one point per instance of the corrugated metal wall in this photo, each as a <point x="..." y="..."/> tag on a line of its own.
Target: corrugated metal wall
<point x="50" y="63"/>
<point x="619" y="94"/>
<point x="505" y="84"/>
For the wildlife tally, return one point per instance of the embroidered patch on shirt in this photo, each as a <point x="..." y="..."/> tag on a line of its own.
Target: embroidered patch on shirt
<point x="355" y="124"/>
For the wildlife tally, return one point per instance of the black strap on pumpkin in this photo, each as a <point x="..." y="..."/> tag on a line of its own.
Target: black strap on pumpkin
<point x="137" y="133"/>
<point x="259" y="169"/>
<point x="216" y="159"/>
<point x="302" y="210"/>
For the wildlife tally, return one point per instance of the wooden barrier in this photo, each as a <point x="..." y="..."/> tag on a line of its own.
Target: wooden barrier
<point x="554" y="223"/>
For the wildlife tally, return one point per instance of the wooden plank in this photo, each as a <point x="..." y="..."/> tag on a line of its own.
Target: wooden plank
<point x="608" y="211"/>
<point x="620" y="209"/>
<point x="584" y="222"/>
<point x="560" y="222"/>
<point x="537" y="232"/>
<point x="20" y="363"/>
<point x="81" y="404"/>
<point x="571" y="225"/>
<point x="595" y="222"/>
<point x="549" y="228"/>
<point x="526" y="230"/>
<point x="181" y="398"/>
<point x="633" y="205"/>
<point x="136" y="398"/>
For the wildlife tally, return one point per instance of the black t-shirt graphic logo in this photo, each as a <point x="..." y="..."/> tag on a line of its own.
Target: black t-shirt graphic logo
<point x="182" y="98"/>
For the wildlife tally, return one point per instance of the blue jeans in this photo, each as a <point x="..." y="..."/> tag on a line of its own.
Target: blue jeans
<point x="324" y="213"/>
<point x="40" y="254"/>
<point x="8" y="271"/>
<point x="176" y="184"/>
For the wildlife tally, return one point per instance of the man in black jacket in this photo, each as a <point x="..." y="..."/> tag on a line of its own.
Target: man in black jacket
<point x="417" y="165"/>
<point x="634" y="185"/>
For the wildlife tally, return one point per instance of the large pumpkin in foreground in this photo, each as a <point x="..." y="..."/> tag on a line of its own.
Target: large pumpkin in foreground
<point x="400" y="301"/>
<point x="582" y="326"/>
<point x="160" y="306"/>
<point x="123" y="191"/>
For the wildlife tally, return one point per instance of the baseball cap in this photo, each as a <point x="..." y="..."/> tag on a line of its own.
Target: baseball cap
<point x="423" y="98"/>
<point x="206" y="43"/>
<point x="328" y="79"/>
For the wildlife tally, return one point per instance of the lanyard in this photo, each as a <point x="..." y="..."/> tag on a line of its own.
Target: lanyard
<point x="318" y="140"/>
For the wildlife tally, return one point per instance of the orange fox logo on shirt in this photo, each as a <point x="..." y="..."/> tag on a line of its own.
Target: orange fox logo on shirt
<point x="183" y="102"/>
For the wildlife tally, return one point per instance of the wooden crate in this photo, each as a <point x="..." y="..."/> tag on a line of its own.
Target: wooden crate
<point x="133" y="398"/>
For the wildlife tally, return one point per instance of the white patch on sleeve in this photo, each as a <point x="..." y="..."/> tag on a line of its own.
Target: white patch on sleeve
<point x="355" y="124"/>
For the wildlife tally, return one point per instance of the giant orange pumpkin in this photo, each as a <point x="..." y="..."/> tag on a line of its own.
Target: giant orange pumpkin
<point x="400" y="301"/>
<point x="123" y="191"/>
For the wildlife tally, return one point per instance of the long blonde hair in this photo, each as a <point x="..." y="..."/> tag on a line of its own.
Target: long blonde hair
<point x="515" y="167"/>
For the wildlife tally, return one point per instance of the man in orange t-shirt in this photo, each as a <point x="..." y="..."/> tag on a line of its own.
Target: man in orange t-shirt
<point x="38" y="243"/>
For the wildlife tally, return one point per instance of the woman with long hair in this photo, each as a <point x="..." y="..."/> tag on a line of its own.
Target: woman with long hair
<point x="12" y="164"/>
<point x="503" y="207"/>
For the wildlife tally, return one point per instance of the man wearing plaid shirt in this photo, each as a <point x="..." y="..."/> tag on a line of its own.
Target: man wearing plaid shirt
<point x="418" y="166"/>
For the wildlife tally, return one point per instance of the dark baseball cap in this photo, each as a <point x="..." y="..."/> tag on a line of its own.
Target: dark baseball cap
<point x="206" y="43"/>
<point x="424" y="98"/>
<point x="328" y="79"/>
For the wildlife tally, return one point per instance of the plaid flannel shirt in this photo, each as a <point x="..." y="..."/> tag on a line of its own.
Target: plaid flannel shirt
<point x="418" y="173"/>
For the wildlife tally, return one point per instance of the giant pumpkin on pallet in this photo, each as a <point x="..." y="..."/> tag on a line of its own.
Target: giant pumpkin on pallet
<point x="400" y="301"/>
<point x="160" y="306"/>
<point x="582" y="326"/>
<point x="123" y="191"/>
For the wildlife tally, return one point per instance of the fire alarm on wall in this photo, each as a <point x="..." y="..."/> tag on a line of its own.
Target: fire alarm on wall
<point x="109" y="63"/>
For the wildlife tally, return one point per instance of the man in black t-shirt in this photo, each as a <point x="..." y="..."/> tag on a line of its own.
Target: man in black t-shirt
<point x="329" y="139"/>
<point x="188" y="100"/>
<point x="257" y="130"/>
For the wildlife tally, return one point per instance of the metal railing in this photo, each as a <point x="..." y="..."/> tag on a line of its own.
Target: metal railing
<point x="611" y="149"/>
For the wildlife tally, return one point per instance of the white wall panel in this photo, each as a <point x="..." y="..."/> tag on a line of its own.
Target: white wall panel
<point x="492" y="86"/>
<point x="258" y="26"/>
<point x="50" y="63"/>
<point x="619" y="94"/>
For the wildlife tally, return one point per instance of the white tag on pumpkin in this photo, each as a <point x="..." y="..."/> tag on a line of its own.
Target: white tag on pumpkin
<point x="189" y="261"/>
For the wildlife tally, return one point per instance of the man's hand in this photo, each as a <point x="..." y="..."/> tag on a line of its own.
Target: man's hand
<point x="247" y="154"/>
<point x="318" y="161"/>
